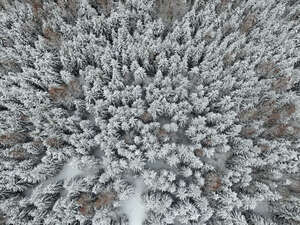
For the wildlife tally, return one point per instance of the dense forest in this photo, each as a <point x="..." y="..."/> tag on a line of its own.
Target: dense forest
<point x="154" y="112"/>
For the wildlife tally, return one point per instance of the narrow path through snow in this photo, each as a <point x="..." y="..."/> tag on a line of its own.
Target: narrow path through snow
<point x="134" y="207"/>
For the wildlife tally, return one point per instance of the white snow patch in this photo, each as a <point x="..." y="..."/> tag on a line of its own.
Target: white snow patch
<point x="262" y="208"/>
<point x="69" y="170"/>
<point x="28" y="192"/>
<point x="218" y="160"/>
<point x="134" y="207"/>
<point x="99" y="153"/>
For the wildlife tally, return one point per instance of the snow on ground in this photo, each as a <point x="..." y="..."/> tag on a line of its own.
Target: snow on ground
<point x="74" y="168"/>
<point x="262" y="208"/>
<point x="134" y="207"/>
<point x="69" y="170"/>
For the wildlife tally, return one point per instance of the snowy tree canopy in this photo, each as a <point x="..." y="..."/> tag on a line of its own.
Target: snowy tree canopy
<point x="189" y="107"/>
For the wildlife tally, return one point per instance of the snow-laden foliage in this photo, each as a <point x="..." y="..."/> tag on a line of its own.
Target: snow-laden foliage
<point x="196" y="99"/>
